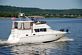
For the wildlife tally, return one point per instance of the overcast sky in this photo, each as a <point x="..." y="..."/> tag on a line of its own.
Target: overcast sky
<point x="44" y="4"/>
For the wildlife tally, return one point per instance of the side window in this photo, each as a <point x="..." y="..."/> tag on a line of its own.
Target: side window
<point x="36" y="30"/>
<point x="43" y="30"/>
<point x="16" y="25"/>
<point x="40" y="30"/>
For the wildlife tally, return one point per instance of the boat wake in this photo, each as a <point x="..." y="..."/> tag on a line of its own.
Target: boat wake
<point x="28" y="49"/>
<point x="63" y="39"/>
<point x="3" y="41"/>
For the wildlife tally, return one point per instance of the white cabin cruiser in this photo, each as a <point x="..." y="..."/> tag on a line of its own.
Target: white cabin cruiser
<point x="33" y="31"/>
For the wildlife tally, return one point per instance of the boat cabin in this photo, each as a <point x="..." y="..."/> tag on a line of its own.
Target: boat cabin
<point x="32" y="23"/>
<point x="29" y="25"/>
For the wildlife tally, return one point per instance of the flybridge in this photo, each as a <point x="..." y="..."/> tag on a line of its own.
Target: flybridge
<point x="24" y="23"/>
<point x="22" y="17"/>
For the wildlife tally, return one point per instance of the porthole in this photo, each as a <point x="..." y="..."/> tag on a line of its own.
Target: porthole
<point x="26" y="34"/>
<point x="33" y="34"/>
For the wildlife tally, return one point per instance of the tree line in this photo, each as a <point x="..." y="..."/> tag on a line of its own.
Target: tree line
<point x="10" y="11"/>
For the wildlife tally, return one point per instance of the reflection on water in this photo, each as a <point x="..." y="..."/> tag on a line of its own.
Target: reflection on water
<point x="51" y="48"/>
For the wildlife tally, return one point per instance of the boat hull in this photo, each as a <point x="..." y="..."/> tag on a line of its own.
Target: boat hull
<point x="34" y="38"/>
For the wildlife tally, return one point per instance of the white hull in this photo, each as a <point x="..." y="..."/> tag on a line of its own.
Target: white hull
<point x="35" y="38"/>
<point x="41" y="38"/>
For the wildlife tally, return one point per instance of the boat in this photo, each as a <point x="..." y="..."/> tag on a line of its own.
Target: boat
<point x="32" y="30"/>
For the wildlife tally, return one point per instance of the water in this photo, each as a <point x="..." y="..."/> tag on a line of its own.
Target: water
<point x="52" y="48"/>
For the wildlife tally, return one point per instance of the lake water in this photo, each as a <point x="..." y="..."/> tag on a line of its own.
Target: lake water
<point x="52" y="48"/>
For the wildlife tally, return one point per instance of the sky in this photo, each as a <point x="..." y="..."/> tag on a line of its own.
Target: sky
<point x="44" y="4"/>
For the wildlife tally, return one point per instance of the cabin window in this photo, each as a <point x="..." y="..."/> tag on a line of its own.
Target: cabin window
<point x="22" y="25"/>
<point x="16" y="25"/>
<point x="36" y="30"/>
<point x="40" y="30"/>
<point x="26" y="25"/>
<point x="43" y="30"/>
